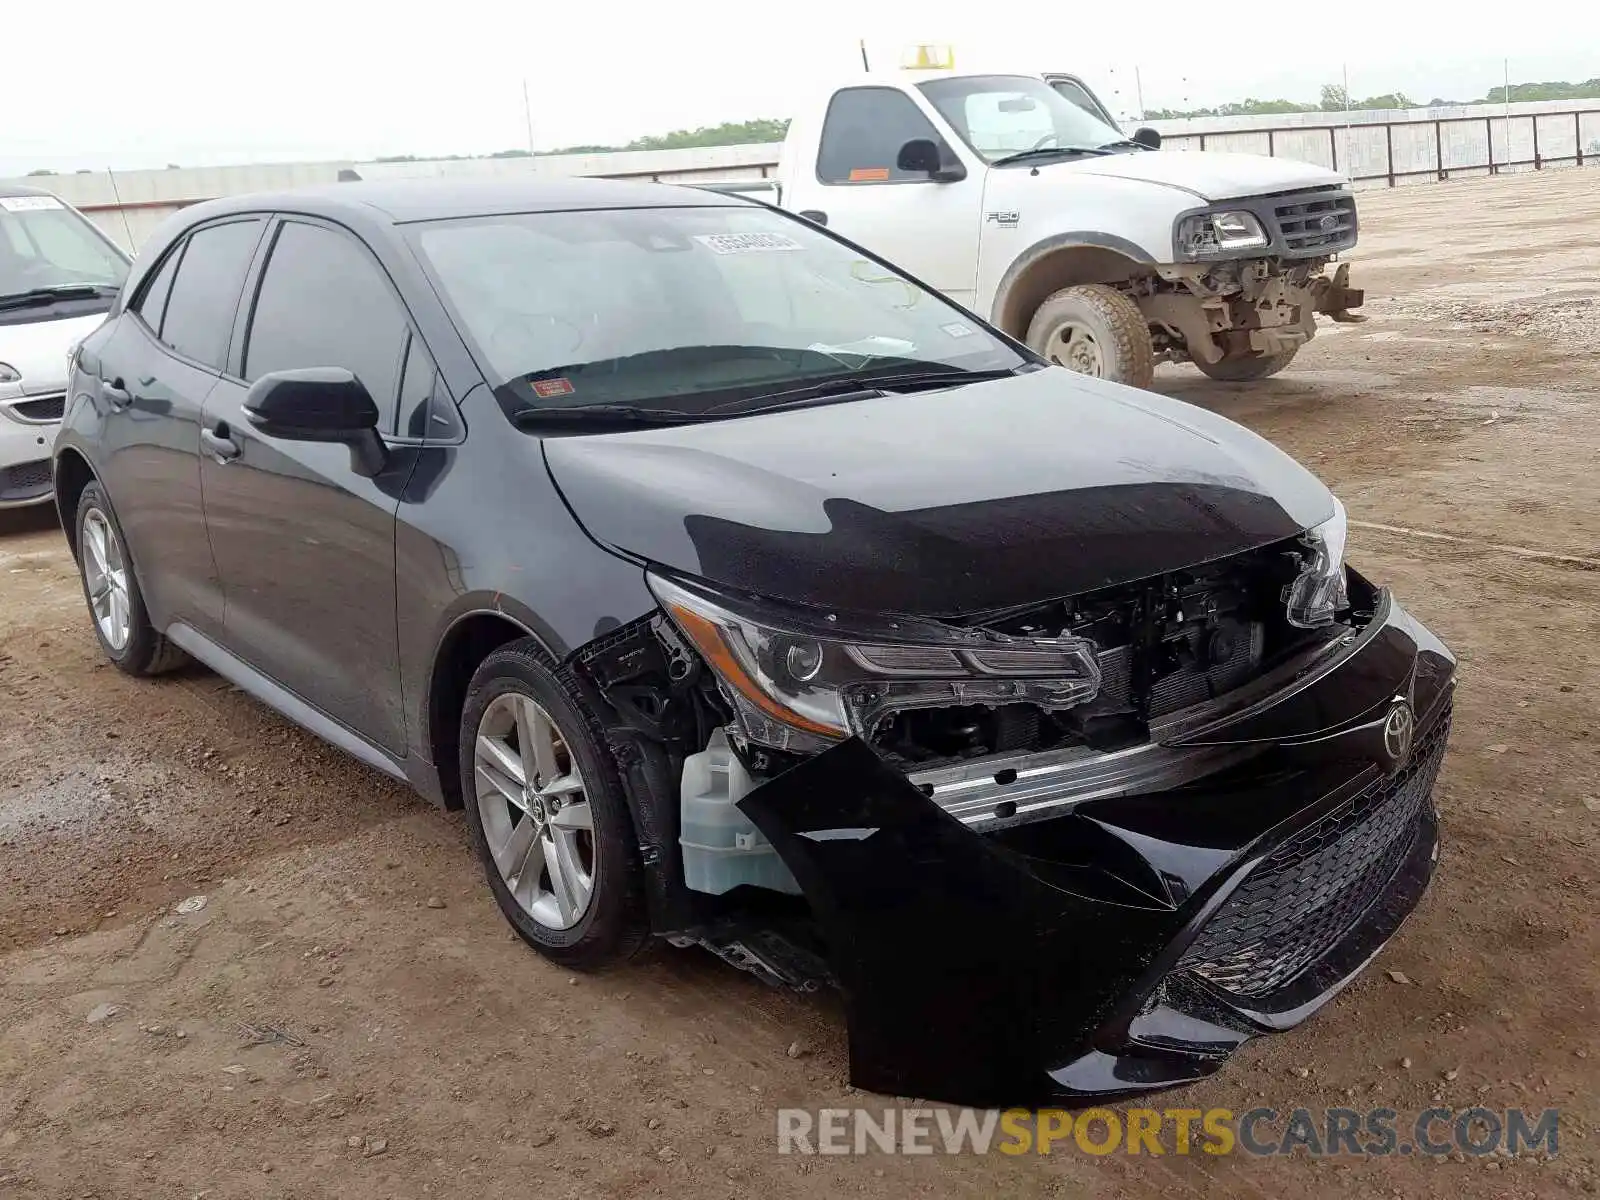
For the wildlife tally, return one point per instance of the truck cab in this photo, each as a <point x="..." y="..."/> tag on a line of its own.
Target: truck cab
<point x="1020" y="198"/>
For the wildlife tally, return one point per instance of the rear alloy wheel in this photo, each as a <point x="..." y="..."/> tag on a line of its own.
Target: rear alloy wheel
<point x="116" y="604"/>
<point x="1247" y="369"/>
<point x="547" y="814"/>
<point x="1095" y="330"/>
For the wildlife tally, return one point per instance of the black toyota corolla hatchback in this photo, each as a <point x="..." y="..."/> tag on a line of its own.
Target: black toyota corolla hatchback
<point x="748" y="594"/>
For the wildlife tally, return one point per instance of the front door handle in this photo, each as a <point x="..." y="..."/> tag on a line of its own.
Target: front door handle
<point x="815" y="215"/>
<point x="218" y="444"/>
<point x="114" y="394"/>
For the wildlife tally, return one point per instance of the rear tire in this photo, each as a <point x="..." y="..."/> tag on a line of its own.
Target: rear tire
<point x="1095" y="330"/>
<point x="547" y="814"/>
<point x="1246" y="370"/>
<point x="111" y="588"/>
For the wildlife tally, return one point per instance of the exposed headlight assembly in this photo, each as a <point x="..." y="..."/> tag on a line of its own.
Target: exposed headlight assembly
<point x="1206" y="235"/>
<point x="801" y="679"/>
<point x="1319" y="593"/>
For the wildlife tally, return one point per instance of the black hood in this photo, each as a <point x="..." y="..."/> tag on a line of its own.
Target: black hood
<point x="996" y="494"/>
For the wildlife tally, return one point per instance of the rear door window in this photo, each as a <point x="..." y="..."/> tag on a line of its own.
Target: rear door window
<point x="325" y="302"/>
<point x="205" y="292"/>
<point x="863" y="133"/>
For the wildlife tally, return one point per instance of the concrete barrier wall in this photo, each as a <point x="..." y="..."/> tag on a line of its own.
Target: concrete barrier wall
<point x="1376" y="148"/>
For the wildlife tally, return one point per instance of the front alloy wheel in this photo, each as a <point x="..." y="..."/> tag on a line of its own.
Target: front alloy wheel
<point x="547" y="812"/>
<point x="536" y="818"/>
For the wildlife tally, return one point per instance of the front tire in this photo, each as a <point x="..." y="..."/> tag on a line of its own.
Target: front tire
<point x="111" y="588"/>
<point x="546" y="812"/>
<point x="1095" y="330"/>
<point x="1247" y="369"/>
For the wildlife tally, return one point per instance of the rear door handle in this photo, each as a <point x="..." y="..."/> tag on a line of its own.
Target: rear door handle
<point x="114" y="394"/>
<point x="218" y="444"/>
<point x="815" y="215"/>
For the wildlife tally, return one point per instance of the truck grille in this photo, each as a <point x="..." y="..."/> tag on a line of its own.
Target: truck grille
<point x="41" y="409"/>
<point x="1316" y="222"/>
<point x="1312" y="890"/>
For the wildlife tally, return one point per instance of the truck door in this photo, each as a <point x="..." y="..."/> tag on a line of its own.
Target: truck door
<point x="857" y="189"/>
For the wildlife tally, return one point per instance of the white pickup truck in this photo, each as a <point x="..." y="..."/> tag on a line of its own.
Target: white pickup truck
<point x="1018" y="197"/>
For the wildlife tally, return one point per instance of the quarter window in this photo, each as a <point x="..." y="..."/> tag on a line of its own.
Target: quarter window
<point x="324" y="302"/>
<point x="153" y="304"/>
<point x="862" y="135"/>
<point x="205" y="293"/>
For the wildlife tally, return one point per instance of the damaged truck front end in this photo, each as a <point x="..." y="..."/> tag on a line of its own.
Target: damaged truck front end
<point x="1076" y="849"/>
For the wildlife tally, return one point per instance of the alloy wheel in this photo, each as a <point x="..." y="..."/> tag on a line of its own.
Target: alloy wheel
<point x="535" y="810"/>
<point x="105" y="571"/>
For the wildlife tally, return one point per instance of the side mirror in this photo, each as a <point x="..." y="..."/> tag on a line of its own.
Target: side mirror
<point x="924" y="156"/>
<point x="319" y="404"/>
<point x="1149" y="138"/>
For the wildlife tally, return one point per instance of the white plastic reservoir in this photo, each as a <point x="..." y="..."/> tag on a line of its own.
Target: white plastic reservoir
<point x="722" y="848"/>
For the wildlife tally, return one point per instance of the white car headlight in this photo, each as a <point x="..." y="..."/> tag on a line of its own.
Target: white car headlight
<point x="802" y="680"/>
<point x="1208" y="234"/>
<point x="8" y="373"/>
<point x="1319" y="593"/>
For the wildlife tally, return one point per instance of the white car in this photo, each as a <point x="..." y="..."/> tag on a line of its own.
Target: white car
<point x="58" y="278"/>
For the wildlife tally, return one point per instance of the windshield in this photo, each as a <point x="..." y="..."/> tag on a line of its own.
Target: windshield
<point x="1001" y="115"/>
<point x="45" y="244"/>
<point x="685" y="309"/>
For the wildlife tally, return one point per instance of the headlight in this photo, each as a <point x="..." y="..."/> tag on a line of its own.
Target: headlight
<point x="9" y="374"/>
<point x="1319" y="592"/>
<point x="801" y="679"/>
<point x="1206" y="235"/>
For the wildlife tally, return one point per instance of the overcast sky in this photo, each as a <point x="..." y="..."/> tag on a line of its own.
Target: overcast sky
<point x="141" y="83"/>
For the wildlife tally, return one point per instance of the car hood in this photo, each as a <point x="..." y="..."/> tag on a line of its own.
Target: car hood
<point x="981" y="497"/>
<point x="1210" y="176"/>
<point x="38" y="350"/>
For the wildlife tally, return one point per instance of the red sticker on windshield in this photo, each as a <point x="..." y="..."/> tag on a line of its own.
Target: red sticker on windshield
<point x="545" y="388"/>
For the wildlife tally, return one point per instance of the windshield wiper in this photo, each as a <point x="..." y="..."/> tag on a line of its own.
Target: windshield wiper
<point x="49" y="295"/>
<point x="601" y="414"/>
<point x="855" y="386"/>
<point x="1124" y="144"/>
<point x="1046" y="152"/>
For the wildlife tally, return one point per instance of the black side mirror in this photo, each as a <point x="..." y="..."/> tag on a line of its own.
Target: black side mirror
<point x="924" y="156"/>
<point x="1149" y="138"/>
<point x="319" y="404"/>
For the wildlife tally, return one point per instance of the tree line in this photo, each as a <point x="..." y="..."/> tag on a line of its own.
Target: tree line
<point x="1334" y="98"/>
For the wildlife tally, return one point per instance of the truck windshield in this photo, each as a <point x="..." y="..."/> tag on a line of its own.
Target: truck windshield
<point x="46" y="245"/>
<point x="685" y="309"/>
<point x="1002" y="115"/>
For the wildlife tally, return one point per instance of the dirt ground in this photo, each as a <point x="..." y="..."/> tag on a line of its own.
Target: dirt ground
<point x="348" y="1016"/>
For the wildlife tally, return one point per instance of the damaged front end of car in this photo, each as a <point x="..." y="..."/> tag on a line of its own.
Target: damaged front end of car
<point x="1081" y="848"/>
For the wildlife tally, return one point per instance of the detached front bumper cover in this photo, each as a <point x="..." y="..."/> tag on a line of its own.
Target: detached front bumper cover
<point x="1128" y="945"/>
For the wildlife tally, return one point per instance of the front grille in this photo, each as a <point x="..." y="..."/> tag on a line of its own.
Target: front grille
<point x="1312" y="890"/>
<point x="1316" y="222"/>
<point x="25" y="481"/>
<point x="42" y="409"/>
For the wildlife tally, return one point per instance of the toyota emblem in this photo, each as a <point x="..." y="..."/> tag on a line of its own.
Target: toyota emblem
<point x="1399" y="728"/>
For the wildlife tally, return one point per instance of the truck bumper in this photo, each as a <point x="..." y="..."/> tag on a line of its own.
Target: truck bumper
<point x="1135" y="942"/>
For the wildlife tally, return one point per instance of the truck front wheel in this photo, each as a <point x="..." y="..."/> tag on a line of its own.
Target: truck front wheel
<point x="1095" y="330"/>
<point x="1244" y="370"/>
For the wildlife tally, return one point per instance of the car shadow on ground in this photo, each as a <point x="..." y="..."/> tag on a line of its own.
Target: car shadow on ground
<point x="35" y="518"/>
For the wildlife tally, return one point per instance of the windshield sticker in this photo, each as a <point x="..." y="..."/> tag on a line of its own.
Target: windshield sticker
<point x="746" y="243"/>
<point x="957" y="330"/>
<point x="546" y="388"/>
<point x="869" y="174"/>
<point x="29" y="203"/>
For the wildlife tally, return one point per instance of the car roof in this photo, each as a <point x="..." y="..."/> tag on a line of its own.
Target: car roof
<point x="17" y="189"/>
<point x="406" y="200"/>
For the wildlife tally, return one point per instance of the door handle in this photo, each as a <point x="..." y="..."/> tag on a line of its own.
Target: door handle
<point x="114" y="394"/>
<point x="815" y="215"/>
<point x="218" y="444"/>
